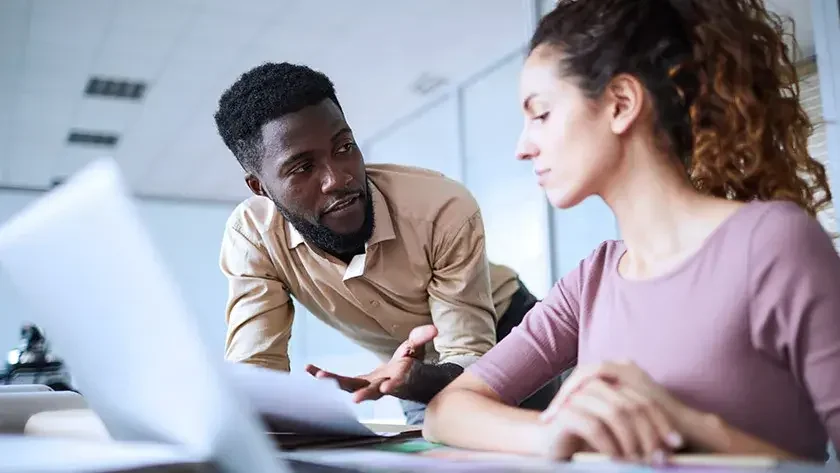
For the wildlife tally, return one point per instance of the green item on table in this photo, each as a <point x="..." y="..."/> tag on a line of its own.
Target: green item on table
<point x="408" y="446"/>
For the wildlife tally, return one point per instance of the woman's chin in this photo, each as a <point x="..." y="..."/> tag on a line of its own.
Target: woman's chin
<point x="562" y="199"/>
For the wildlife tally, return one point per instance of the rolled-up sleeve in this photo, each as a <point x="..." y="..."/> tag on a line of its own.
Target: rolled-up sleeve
<point x="460" y="296"/>
<point x="259" y="310"/>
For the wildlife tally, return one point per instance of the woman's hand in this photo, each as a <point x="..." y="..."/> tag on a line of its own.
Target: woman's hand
<point x="627" y="375"/>
<point x="703" y="431"/>
<point x="594" y="411"/>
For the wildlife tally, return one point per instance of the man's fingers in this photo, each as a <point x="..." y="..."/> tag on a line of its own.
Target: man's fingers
<point x="371" y="392"/>
<point x="346" y="383"/>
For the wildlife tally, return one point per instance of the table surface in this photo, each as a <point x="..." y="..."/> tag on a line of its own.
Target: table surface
<point x="408" y="452"/>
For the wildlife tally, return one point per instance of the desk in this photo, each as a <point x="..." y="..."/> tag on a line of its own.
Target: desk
<point x="412" y="455"/>
<point x="52" y="455"/>
<point x="84" y="423"/>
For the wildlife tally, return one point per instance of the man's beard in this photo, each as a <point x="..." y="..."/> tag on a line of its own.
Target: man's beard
<point x="334" y="243"/>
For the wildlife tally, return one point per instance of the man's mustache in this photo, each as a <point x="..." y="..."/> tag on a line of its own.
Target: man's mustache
<point x="342" y="195"/>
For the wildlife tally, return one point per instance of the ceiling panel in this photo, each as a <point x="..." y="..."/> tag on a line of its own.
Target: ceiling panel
<point x="14" y="17"/>
<point x="212" y="37"/>
<point x="183" y="158"/>
<point x="142" y="36"/>
<point x="75" y="157"/>
<point x="223" y="173"/>
<point x="14" y="30"/>
<point x="189" y="51"/>
<point x="105" y="115"/>
<point x="33" y="161"/>
<point x="36" y="112"/>
<point x="52" y="70"/>
<point x="75" y="25"/>
<point x="133" y="64"/>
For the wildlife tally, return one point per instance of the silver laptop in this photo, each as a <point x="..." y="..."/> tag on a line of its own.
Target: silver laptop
<point x="86" y="265"/>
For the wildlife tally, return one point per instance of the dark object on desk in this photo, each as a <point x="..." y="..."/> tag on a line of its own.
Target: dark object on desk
<point x="294" y="441"/>
<point x="32" y="362"/>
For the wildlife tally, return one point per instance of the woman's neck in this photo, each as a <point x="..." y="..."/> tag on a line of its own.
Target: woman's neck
<point x="662" y="218"/>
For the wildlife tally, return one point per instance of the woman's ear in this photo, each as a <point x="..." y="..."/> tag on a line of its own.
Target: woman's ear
<point x="625" y="97"/>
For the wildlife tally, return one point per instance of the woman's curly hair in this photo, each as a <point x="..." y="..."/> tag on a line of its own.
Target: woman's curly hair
<point x="724" y="87"/>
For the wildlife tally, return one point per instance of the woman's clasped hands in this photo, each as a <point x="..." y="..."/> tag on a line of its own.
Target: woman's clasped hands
<point x="615" y="409"/>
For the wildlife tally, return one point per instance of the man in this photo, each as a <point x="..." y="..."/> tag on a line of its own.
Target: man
<point x="391" y="256"/>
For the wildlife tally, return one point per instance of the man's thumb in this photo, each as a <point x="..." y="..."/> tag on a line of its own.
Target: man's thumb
<point x="422" y="335"/>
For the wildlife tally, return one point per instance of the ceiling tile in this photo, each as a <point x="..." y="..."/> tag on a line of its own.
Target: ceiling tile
<point x="5" y="144"/>
<point x="31" y="163"/>
<point x="251" y="9"/>
<point x="184" y="154"/>
<point x="221" y="174"/>
<point x="191" y="50"/>
<point x="73" y="158"/>
<point x="76" y="25"/>
<point x="14" y="20"/>
<point x="13" y="8"/>
<point x="130" y="64"/>
<point x="142" y="36"/>
<point x="38" y="111"/>
<point x="105" y="114"/>
<point x="48" y="70"/>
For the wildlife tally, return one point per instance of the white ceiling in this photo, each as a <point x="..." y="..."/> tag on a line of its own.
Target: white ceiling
<point x="189" y="51"/>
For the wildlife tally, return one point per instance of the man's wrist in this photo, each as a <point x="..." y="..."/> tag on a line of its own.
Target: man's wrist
<point x="424" y="381"/>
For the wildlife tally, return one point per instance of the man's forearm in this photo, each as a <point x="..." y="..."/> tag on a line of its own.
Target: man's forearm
<point x="424" y="381"/>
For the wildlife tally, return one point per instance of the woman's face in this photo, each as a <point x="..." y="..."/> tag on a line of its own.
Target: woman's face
<point x="567" y="136"/>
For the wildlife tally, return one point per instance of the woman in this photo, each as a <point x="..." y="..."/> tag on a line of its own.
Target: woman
<point x="715" y="323"/>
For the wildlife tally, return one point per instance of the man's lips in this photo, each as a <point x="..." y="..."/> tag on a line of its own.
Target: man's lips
<point x="343" y="203"/>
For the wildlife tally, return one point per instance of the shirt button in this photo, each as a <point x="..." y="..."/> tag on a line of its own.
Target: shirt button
<point x="374" y="303"/>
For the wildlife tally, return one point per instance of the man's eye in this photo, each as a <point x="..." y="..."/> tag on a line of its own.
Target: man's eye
<point x="301" y="169"/>
<point x="346" y="148"/>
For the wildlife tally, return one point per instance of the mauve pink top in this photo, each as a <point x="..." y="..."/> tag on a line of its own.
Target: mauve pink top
<point x="747" y="328"/>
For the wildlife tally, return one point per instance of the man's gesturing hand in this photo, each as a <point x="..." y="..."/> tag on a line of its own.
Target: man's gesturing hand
<point x="389" y="377"/>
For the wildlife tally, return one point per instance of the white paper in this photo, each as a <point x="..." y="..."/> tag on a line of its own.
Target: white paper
<point x="297" y="403"/>
<point x="116" y="316"/>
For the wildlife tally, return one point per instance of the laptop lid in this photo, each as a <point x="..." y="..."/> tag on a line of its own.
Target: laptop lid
<point x="85" y="263"/>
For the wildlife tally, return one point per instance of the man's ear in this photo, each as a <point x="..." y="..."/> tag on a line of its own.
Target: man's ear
<point x="255" y="185"/>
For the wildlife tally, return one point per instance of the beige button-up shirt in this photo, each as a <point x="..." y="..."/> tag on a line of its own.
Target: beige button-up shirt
<point x="425" y="263"/>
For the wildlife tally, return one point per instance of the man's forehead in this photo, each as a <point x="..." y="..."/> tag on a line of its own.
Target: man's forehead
<point x="324" y="119"/>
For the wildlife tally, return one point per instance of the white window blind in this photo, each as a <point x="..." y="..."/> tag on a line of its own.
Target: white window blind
<point x="809" y="96"/>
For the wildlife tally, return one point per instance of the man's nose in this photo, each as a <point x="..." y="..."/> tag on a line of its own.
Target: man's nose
<point x="334" y="179"/>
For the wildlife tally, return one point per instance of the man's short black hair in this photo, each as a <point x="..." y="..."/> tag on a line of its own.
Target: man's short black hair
<point x="263" y="94"/>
